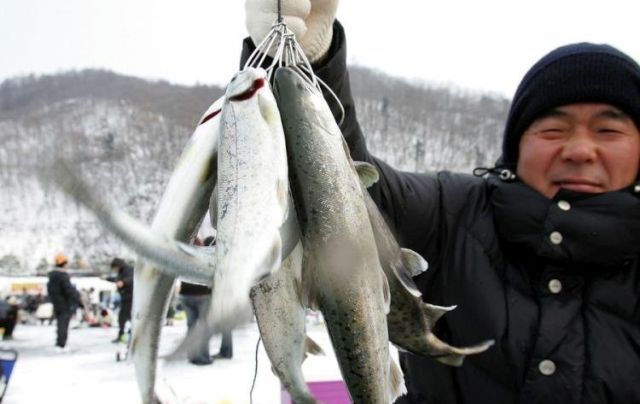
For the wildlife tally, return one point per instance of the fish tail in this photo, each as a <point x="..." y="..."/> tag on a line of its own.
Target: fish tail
<point x="312" y="347"/>
<point x="396" y="380"/>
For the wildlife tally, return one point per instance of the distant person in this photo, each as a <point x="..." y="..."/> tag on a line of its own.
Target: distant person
<point x="124" y="284"/>
<point x="64" y="297"/>
<point x="196" y="299"/>
<point x="8" y="316"/>
<point x="226" y="345"/>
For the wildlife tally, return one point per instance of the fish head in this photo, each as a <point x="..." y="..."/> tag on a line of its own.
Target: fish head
<point x="246" y="83"/>
<point x="297" y="95"/>
<point x="292" y="87"/>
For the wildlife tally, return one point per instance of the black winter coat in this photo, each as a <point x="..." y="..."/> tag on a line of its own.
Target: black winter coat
<point x="554" y="282"/>
<point x="125" y="274"/>
<point x="62" y="294"/>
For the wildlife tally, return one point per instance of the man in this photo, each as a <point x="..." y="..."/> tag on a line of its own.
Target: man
<point x="196" y="300"/>
<point x="8" y="316"/>
<point x="124" y="285"/>
<point x="64" y="297"/>
<point x="542" y="255"/>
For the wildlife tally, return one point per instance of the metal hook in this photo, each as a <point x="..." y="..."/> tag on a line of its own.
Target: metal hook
<point x="288" y="52"/>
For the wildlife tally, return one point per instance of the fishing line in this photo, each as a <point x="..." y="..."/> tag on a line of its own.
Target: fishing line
<point x="279" y="11"/>
<point x="255" y="372"/>
<point x="288" y="52"/>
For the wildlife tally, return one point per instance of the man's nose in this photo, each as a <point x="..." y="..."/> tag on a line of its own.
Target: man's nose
<point x="580" y="147"/>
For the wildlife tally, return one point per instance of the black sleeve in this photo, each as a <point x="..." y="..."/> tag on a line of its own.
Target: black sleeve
<point x="128" y="277"/>
<point x="409" y="201"/>
<point x="70" y="292"/>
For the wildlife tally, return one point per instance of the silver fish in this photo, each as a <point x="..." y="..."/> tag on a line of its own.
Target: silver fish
<point x="188" y="262"/>
<point x="179" y="215"/>
<point x="341" y="272"/>
<point x="410" y="320"/>
<point x="252" y="196"/>
<point x="281" y="319"/>
<point x="180" y="212"/>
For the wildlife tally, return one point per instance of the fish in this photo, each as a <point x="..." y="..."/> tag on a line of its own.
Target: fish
<point x="191" y="263"/>
<point x="341" y="273"/>
<point x="187" y="262"/>
<point x="280" y="315"/>
<point x="410" y="319"/>
<point x="252" y="196"/>
<point x="178" y="217"/>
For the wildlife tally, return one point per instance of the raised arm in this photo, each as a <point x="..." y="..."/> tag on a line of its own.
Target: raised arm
<point x="410" y="201"/>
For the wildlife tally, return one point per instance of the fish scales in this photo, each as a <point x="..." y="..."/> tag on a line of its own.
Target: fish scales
<point x="281" y="319"/>
<point x="341" y="271"/>
<point x="252" y="196"/>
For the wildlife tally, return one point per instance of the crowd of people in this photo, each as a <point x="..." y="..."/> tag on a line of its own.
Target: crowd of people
<point x="64" y="303"/>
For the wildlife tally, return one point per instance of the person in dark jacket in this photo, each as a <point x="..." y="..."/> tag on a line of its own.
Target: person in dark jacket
<point x="64" y="297"/>
<point x="8" y="316"/>
<point x="124" y="285"/>
<point x="540" y="255"/>
<point x="195" y="300"/>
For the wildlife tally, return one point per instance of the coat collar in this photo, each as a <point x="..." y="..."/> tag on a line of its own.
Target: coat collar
<point x="573" y="228"/>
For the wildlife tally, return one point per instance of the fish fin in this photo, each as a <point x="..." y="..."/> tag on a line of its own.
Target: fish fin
<point x="386" y="293"/>
<point x="413" y="262"/>
<point x="213" y="208"/>
<point x="312" y="347"/>
<point x="396" y="380"/>
<point x="433" y="312"/>
<point x="367" y="173"/>
<point x="454" y="355"/>
<point x="457" y="359"/>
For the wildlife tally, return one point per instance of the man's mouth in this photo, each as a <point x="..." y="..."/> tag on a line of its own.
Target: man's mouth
<point x="579" y="185"/>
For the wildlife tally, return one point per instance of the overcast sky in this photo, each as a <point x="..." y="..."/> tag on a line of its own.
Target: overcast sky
<point x="482" y="45"/>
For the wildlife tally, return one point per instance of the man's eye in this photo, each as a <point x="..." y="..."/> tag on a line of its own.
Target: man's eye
<point x="609" y="130"/>
<point x="551" y="131"/>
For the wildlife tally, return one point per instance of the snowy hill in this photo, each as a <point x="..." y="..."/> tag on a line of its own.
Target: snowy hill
<point x="125" y="134"/>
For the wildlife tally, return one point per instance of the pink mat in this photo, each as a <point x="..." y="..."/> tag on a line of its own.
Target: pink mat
<point x="327" y="392"/>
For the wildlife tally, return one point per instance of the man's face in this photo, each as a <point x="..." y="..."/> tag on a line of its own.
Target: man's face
<point x="589" y="148"/>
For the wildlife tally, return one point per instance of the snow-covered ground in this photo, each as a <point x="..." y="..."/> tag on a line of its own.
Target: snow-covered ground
<point x="89" y="373"/>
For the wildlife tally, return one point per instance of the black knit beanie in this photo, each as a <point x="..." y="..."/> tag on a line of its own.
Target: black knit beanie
<point x="581" y="72"/>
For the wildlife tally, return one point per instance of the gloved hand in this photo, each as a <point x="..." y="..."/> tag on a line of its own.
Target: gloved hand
<point x="310" y="20"/>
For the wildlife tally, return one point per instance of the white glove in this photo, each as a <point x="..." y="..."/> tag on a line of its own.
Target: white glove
<point x="310" y="20"/>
